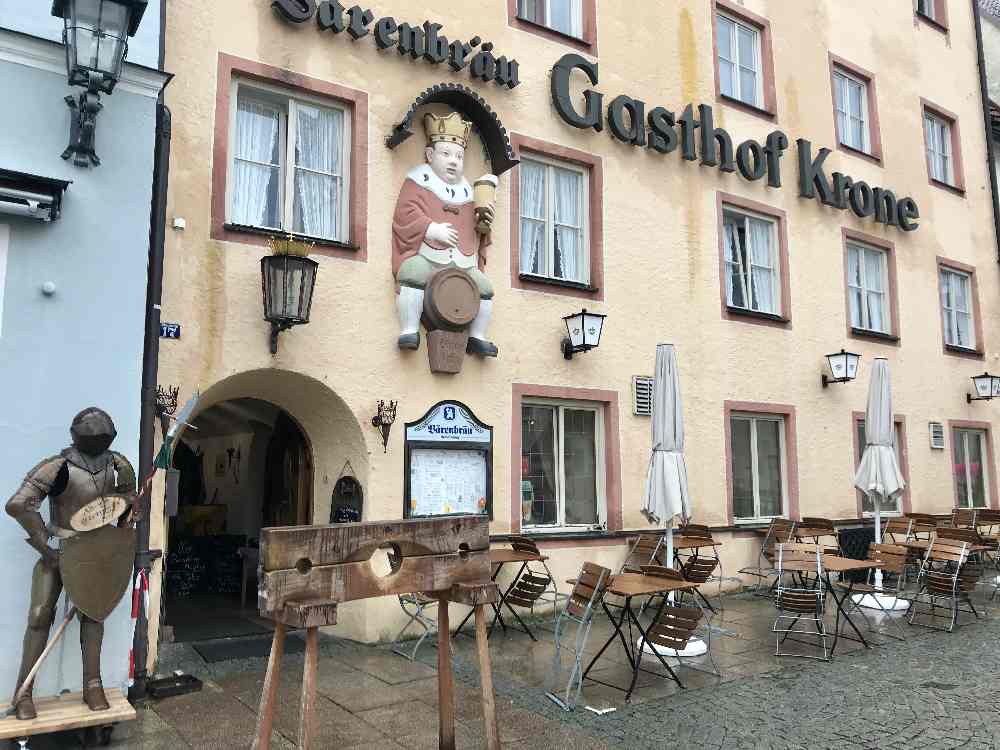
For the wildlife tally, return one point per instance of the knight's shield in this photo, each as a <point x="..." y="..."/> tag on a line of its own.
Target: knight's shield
<point x="96" y="568"/>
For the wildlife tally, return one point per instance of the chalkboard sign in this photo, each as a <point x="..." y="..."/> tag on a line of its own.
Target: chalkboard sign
<point x="448" y="463"/>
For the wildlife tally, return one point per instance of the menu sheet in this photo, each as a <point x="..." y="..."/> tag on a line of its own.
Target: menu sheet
<point x="446" y="480"/>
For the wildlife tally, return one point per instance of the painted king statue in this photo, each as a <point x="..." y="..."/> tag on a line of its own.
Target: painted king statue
<point x="442" y="222"/>
<point x="89" y="487"/>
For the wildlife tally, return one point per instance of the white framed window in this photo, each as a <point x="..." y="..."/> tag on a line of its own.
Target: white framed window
<point x="868" y="287"/>
<point x="554" y="220"/>
<point x="753" y="275"/>
<point x="289" y="163"/>
<point x="759" y="466"/>
<point x="940" y="162"/>
<point x="851" y="97"/>
<point x="562" y="466"/>
<point x="564" y="16"/>
<point x="971" y="471"/>
<point x="867" y="506"/>
<point x="4" y="244"/>
<point x="740" y="66"/>
<point x="956" y="308"/>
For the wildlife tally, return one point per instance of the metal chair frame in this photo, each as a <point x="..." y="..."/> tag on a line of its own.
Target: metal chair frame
<point x="941" y="578"/>
<point x="802" y="601"/>
<point x="893" y="558"/>
<point x="525" y="544"/>
<point x="779" y="531"/>
<point x="579" y="609"/>
<point x="414" y="605"/>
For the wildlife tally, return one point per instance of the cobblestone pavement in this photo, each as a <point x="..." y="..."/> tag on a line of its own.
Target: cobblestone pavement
<point x="935" y="690"/>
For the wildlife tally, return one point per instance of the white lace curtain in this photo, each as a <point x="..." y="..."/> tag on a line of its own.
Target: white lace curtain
<point x="532" y="175"/>
<point x="256" y="174"/>
<point x="318" y="171"/>
<point x="750" y="267"/>
<point x="568" y="229"/>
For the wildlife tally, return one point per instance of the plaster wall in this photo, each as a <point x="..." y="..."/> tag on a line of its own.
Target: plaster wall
<point x="661" y="258"/>
<point x="81" y="346"/>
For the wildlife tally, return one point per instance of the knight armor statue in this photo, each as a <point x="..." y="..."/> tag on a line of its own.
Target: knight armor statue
<point x="79" y="541"/>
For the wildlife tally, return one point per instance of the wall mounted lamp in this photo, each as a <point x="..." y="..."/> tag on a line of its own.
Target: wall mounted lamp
<point x="843" y="367"/>
<point x="987" y="388"/>
<point x="583" y="332"/>
<point x="288" y="278"/>
<point x="385" y="415"/>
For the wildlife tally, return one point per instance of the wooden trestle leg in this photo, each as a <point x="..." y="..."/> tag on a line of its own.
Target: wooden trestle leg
<point x="446" y="681"/>
<point x="486" y="681"/>
<point x="307" y="724"/>
<point x="265" y="716"/>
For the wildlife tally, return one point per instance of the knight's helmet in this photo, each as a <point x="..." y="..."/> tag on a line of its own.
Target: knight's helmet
<point x="92" y="431"/>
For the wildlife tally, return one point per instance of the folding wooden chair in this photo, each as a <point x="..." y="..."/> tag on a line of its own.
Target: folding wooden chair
<point x="943" y="583"/>
<point x="893" y="566"/>
<point x="778" y="532"/>
<point x="964" y="518"/>
<point x="525" y="544"/>
<point x="579" y="610"/>
<point x="813" y="530"/>
<point x="800" y="597"/>
<point x="923" y="526"/>
<point x="896" y="530"/>
<point x="647" y="549"/>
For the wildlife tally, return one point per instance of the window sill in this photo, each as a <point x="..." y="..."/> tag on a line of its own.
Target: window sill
<point x="583" y="44"/>
<point x="739" y="312"/>
<point x="956" y="189"/>
<point x="543" y="535"/>
<point x="862" y="333"/>
<point x="279" y="234"/>
<point x="868" y="156"/>
<point x="964" y="351"/>
<point x="751" y="108"/>
<point x="931" y="22"/>
<point x="561" y="283"/>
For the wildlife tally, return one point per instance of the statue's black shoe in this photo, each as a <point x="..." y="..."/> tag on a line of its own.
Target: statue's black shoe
<point x="482" y="348"/>
<point x="409" y="341"/>
<point x="94" y="697"/>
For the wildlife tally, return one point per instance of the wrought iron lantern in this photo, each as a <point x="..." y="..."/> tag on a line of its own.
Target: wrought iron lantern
<point x="95" y="35"/>
<point x="583" y="331"/>
<point x="843" y="367"/>
<point x="383" y="419"/>
<point x="287" y="282"/>
<point x="987" y="388"/>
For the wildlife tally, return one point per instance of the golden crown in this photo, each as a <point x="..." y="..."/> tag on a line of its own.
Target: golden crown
<point x="450" y="129"/>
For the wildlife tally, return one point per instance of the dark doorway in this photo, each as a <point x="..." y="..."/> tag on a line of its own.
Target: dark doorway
<point x="247" y="465"/>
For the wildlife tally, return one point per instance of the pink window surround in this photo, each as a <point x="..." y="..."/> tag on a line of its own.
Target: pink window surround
<point x="838" y="63"/>
<point x="958" y="173"/>
<point x="612" y="446"/>
<point x="231" y="67"/>
<point x="889" y="248"/>
<point x="991" y="475"/>
<point x="727" y="7"/>
<point x="904" y="457"/>
<point x="727" y="200"/>
<point x="791" y="450"/>
<point x="595" y="192"/>
<point x="587" y="43"/>
<point x="940" y="20"/>
<point x="977" y="318"/>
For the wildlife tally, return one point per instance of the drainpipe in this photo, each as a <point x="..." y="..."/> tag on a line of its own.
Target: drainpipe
<point x="985" y="95"/>
<point x="150" y="359"/>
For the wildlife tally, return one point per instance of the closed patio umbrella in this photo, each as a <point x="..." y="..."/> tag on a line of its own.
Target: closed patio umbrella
<point x="878" y="474"/>
<point x="666" y="493"/>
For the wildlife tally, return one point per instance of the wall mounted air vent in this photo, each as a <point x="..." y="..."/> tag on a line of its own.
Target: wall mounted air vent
<point x="642" y="396"/>
<point x="937" y="435"/>
<point x="30" y="196"/>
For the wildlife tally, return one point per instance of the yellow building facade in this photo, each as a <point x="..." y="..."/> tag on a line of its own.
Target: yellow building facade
<point x="281" y="119"/>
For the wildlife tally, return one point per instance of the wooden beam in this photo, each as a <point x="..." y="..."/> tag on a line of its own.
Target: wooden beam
<point x="357" y="580"/>
<point x="486" y="681"/>
<point x="307" y="613"/>
<point x="446" y="681"/>
<point x="265" y="716"/>
<point x="286" y="547"/>
<point x="473" y="594"/>
<point x="307" y="722"/>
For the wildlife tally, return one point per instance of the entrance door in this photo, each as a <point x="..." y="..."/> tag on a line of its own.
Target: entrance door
<point x="289" y="498"/>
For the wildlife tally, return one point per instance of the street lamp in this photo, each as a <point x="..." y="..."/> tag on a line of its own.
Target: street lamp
<point x="287" y="281"/>
<point x="843" y="367"/>
<point x="96" y="35"/>
<point x="583" y="331"/>
<point x="987" y="388"/>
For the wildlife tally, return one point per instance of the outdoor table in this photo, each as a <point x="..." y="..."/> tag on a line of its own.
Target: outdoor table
<point x="499" y="558"/>
<point x="921" y="545"/>
<point x="836" y="564"/>
<point x="629" y="586"/>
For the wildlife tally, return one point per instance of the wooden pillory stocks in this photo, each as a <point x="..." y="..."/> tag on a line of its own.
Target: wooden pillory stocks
<point x="306" y="571"/>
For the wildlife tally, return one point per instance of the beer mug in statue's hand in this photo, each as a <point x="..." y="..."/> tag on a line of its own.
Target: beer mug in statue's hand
<point x="484" y="195"/>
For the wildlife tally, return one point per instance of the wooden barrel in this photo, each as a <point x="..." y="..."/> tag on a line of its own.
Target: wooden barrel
<point x="451" y="300"/>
